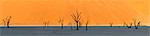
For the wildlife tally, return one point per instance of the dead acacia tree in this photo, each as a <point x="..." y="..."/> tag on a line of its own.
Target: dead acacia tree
<point x="77" y="18"/>
<point x="6" y="21"/>
<point x="61" y="21"/>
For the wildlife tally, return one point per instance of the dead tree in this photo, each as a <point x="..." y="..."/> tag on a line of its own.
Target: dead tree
<point x="46" y="23"/>
<point x="127" y="25"/>
<point x="111" y="24"/>
<point x="87" y="22"/>
<point x="77" y="18"/>
<point x="6" y="21"/>
<point x="136" y="24"/>
<point x="130" y="25"/>
<point x="61" y="21"/>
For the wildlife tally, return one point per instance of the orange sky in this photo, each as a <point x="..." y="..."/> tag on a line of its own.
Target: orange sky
<point x="99" y="12"/>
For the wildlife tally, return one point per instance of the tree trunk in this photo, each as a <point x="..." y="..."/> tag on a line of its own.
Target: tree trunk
<point x="62" y="26"/>
<point x="86" y="27"/>
<point x="77" y="26"/>
<point x="7" y="24"/>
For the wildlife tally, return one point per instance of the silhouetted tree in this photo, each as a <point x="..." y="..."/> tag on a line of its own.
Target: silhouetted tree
<point x="127" y="25"/>
<point x="6" y="21"/>
<point x="111" y="24"/>
<point x="130" y="25"/>
<point x="46" y="23"/>
<point x="61" y="21"/>
<point x="136" y="24"/>
<point x="87" y="22"/>
<point x="77" y="18"/>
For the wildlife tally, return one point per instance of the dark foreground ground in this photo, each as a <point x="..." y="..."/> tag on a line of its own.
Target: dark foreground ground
<point x="67" y="31"/>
